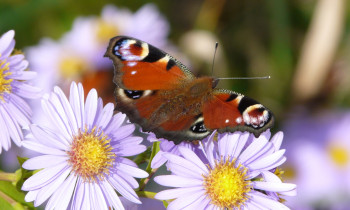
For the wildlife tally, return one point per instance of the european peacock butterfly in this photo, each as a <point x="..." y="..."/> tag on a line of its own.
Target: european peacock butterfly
<point x="160" y="94"/>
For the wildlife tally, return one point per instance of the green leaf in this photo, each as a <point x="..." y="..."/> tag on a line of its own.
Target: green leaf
<point x="155" y="149"/>
<point x="23" y="174"/>
<point x="165" y="203"/>
<point x="143" y="157"/>
<point x="4" y="204"/>
<point x="11" y="196"/>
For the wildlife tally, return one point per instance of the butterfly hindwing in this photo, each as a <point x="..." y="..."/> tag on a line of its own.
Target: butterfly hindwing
<point x="141" y="66"/>
<point x="228" y="111"/>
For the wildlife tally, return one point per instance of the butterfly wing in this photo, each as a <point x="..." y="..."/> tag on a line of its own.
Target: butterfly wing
<point x="141" y="66"/>
<point x="228" y="111"/>
<point x="160" y="115"/>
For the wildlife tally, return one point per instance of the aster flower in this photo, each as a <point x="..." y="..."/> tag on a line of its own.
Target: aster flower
<point x="15" y="113"/>
<point x="236" y="174"/>
<point x="319" y="144"/>
<point x="82" y="154"/>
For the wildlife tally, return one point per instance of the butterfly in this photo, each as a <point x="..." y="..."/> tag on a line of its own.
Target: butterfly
<point x="163" y="96"/>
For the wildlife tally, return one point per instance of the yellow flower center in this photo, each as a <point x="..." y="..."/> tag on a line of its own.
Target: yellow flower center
<point x="226" y="184"/>
<point x="339" y="154"/>
<point x="105" y="31"/>
<point x="91" y="155"/>
<point x="72" y="67"/>
<point x="5" y="83"/>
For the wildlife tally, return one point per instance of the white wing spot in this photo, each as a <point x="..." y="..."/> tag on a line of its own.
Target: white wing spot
<point x="131" y="64"/>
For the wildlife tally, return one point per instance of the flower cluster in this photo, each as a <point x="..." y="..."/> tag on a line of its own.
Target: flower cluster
<point x="87" y="156"/>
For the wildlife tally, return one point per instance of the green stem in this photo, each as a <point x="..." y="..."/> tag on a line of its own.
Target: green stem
<point x="144" y="181"/>
<point x="11" y="177"/>
<point x="146" y="194"/>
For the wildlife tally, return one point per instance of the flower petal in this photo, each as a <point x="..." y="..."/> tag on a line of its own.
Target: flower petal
<point x="177" y="181"/>
<point x="267" y="161"/>
<point x="31" y="195"/>
<point x="132" y="171"/>
<point x="47" y="138"/>
<point x="46" y="191"/>
<point x="76" y="99"/>
<point x="78" y="196"/>
<point x="61" y="198"/>
<point x="111" y="196"/>
<point x="17" y="114"/>
<point x="106" y="116"/>
<point x="98" y="197"/>
<point x="277" y="140"/>
<point x="44" y="177"/>
<point x="68" y="111"/>
<point x="90" y="108"/>
<point x="273" y="186"/>
<point x="124" y="189"/>
<point x="37" y="147"/>
<point x="252" y="149"/>
<point x="26" y="91"/>
<point x="175" y="193"/>
<point x="241" y="143"/>
<point x="5" y="41"/>
<point x="158" y="160"/>
<point x="185" y="200"/>
<point x="266" y="201"/>
<point x="14" y="130"/>
<point x="191" y="156"/>
<point x="43" y="161"/>
<point x="179" y="163"/>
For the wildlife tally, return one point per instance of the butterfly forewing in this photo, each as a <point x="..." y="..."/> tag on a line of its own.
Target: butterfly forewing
<point x="141" y="66"/>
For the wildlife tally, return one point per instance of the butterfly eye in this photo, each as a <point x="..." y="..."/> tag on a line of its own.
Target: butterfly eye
<point x="133" y="94"/>
<point x="199" y="128"/>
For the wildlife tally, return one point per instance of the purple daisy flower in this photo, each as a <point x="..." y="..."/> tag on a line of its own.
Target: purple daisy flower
<point x="82" y="154"/>
<point x="319" y="144"/>
<point x="236" y="174"/>
<point x="15" y="113"/>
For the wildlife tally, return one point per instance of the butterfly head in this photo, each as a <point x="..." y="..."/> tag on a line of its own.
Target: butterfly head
<point x="215" y="82"/>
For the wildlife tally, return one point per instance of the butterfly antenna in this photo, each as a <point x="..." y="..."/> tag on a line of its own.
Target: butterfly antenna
<point x="266" y="77"/>
<point x="212" y="67"/>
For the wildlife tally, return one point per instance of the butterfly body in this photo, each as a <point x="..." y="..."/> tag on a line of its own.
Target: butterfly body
<point x="163" y="96"/>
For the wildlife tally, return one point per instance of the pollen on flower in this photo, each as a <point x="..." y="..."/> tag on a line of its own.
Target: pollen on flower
<point x="73" y="66"/>
<point x="339" y="155"/>
<point x="5" y="83"/>
<point x="226" y="184"/>
<point x="91" y="155"/>
<point x="105" y="30"/>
